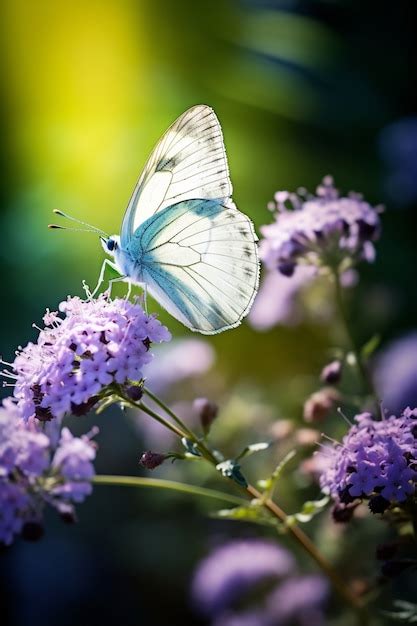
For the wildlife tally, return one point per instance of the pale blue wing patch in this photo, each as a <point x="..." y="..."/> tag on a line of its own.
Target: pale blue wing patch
<point x="188" y="162"/>
<point x="199" y="260"/>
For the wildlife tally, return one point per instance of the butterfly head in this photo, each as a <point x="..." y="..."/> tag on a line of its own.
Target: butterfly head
<point x="110" y="244"/>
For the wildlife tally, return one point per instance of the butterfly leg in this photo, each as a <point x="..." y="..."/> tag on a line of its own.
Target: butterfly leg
<point x="115" y="280"/>
<point x="145" y="298"/>
<point x="106" y="263"/>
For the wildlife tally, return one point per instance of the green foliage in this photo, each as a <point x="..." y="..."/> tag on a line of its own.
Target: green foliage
<point x="309" y="510"/>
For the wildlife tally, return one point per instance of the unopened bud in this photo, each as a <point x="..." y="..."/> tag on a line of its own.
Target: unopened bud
<point x="343" y="513"/>
<point x="150" y="460"/>
<point x="319" y="404"/>
<point x="332" y="373"/>
<point x="135" y="392"/>
<point x="378" y="504"/>
<point x="207" y="412"/>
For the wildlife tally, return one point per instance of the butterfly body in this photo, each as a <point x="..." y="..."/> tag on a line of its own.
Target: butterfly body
<point x="183" y="237"/>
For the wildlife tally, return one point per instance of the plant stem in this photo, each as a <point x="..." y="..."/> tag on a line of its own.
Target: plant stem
<point x="361" y="367"/>
<point x="302" y="539"/>
<point x="171" y="485"/>
<point x="305" y="542"/>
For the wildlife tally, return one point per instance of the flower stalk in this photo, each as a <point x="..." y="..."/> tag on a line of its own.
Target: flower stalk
<point x="295" y="531"/>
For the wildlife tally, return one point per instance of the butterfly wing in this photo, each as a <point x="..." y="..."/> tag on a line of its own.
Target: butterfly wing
<point x="188" y="162"/>
<point x="199" y="260"/>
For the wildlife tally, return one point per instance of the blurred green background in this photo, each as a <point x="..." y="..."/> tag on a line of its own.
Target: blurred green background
<point x="302" y="89"/>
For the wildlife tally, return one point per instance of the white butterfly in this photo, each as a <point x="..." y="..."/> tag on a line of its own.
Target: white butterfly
<point x="182" y="237"/>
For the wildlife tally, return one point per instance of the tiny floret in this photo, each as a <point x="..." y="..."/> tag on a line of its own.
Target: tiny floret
<point x="79" y="356"/>
<point x="36" y="471"/>
<point x="325" y="230"/>
<point x="376" y="461"/>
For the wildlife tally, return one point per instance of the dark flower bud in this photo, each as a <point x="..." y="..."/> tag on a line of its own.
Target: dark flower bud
<point x="343" y="513"/>
<point x="386" y="551"/>
<point x="32" y="531"/>
<point x="43" y="414"/>
<point x="207" y="412"/>
<point x="287" y="269"/>
<point x="331" y="373"/>
<point x="319" y="404"/>
<point x="378" y="504"/>
<point x="82" y="409"/>
<point x="345" y="497"/>
<point x="135" y="392"/>
<point x="150" y="460"/>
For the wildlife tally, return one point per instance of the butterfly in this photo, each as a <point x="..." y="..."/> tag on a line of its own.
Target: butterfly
<point x="182" y="237"/>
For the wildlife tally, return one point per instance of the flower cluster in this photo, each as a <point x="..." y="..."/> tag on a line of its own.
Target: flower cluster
<point x="376" y="460"/>
<point x="255" y="582"/>
<point x="97" y="344"/>
<point x="33" y="473"/>
<point x="322" y="230"/>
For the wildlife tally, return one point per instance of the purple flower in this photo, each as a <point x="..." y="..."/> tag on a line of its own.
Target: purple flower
<point x="96" y="344"/>
<point x="276" y="302"/>
<point x="182" y="359"/>
<point x="255" y="583"/>
<point x="375" y="459"/>
<point x="232" y="570"/>
<point x="322" y="230"/>
<point x="34" y="472"/>
<point x="299" y="601"/>
<point x="395" y="373"/>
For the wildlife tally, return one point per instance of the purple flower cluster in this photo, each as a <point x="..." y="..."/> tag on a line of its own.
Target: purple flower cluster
<point x="98" y="343"/>
<point x="321" y="230"/>
<point x="33" y="472"/>
<point x="264" y="572"/>
<point x="376" y="460"/>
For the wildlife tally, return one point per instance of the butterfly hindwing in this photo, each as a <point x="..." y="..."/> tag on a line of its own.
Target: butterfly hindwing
<point x="200" y="262"/>
<point x="188" y="162"/>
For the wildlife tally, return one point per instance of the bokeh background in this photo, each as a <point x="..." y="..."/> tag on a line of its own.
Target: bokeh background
<point x="302" y="89"/>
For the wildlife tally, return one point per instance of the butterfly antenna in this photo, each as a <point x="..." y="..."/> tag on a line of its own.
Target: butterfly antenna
<point x="89" y="228"/>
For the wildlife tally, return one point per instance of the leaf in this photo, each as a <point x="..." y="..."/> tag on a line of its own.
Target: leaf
<point x="370" y="346"/>
<point x="268" y="484"/>
<point x="254" y="514"/>
<point x="407" y="612"/>
<point x="190" y="446"/>
<point x="252" y="448"/>
<point x="310" y="509"/>
<point x="231" y="469"/>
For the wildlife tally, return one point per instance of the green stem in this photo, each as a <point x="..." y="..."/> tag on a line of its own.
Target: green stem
<point x="171" y="485"/>
<point x="302" y="539"/>
<point x="361" y="367"/>
<point x="205" y="451"/>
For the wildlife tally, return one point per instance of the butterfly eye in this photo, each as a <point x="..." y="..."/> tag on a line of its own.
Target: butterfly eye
<point x="111" y="244"/>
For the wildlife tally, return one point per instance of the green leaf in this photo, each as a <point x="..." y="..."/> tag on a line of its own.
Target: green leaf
<point x="370" y="346"/>
<point x="252" y="448"/>
<point x="310" y="509"/>
<point x="231" y="469"/>
<point x="254" y="514"/>
<point x="407" y="612"/>
<point x="190" y="446"/>
<point x="268" y="485"/>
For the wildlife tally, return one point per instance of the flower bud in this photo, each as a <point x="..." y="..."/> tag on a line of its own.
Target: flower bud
<point x="150" y="460"/>
<point x="135" y="392"/>
<point x="378" y="504"/>
<point x="332" y="373"/>
<point x="319" y="404"/>
<point x="207" y="412"/>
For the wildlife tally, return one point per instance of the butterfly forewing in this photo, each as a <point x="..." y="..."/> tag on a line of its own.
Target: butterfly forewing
<point x="188" y="162"/>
